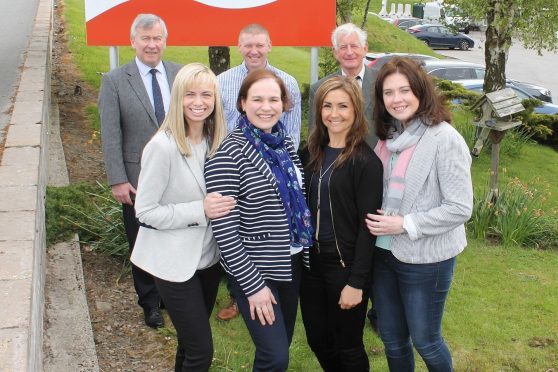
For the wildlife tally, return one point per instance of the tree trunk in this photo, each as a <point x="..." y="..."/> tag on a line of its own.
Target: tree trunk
<point x="498" y="41"/>
<point x="344" y="10"/>
<point x="365" y="17"/>
<point x="219" y="59"/>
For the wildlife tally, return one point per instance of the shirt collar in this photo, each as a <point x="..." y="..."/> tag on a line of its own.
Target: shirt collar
<point x="361" y="73"/>
<point x="245" y="69"/>
<point x="145" y="69"/>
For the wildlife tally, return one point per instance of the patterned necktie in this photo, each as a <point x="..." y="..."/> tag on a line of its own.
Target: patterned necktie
<point x="157" y="97"/>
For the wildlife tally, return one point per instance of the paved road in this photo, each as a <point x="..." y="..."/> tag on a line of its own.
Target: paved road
<point x="523" y="64"/>
<point x="16" y="25"/>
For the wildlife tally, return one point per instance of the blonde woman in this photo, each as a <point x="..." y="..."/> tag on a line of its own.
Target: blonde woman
<point x="175" y="242"/>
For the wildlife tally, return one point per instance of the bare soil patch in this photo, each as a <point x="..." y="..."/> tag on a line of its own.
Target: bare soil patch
<point x="122" y="340"/>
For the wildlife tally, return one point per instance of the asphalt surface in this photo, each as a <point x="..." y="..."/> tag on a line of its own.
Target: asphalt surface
<point x="523" y="64"/>
<point x="16" y="25"/>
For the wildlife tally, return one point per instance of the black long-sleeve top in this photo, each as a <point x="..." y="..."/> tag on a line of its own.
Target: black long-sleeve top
<point x="356" y="189"/>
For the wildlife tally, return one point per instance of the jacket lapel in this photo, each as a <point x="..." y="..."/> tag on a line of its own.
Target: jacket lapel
<point x="171" y="73"/>
<point x="419" y="167"/>
<point x="138" y="87"/>
<point x="367" y="88"/>
<point x="191" y="162"/>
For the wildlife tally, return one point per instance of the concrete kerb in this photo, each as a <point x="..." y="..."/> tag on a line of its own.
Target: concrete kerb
<point x="22" y="226"/>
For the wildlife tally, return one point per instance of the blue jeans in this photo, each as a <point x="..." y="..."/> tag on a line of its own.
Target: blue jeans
<point x="410" y="301"/>
<point x="272" y="341"/>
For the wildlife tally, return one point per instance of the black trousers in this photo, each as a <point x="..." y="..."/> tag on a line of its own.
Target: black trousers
<point x="334" y="335"/>
<point x="148" y="297"/>
<point x="189" y="305"/>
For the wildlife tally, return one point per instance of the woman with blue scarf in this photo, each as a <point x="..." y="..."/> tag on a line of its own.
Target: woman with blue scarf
<point x="265" y="239"/>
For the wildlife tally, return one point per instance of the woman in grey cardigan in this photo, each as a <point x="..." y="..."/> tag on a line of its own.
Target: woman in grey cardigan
<point x="428" y="197"/>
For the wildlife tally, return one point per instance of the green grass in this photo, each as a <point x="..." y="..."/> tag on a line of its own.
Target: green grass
<point x="502" y="310"/>
<point x="502" y="304"/>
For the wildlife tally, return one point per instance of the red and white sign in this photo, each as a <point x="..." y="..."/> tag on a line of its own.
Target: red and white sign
<point x="214" y="22"/>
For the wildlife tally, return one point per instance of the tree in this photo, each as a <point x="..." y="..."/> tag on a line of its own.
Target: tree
<point x="219" y="59"/>
<point x="533" y="22"/>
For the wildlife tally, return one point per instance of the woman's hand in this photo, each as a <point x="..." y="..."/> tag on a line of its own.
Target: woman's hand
<point x="216" y="205"/>
<point x="350" y="297"/>
<point x="378" y="224"/>
<point x="261" y="304"/>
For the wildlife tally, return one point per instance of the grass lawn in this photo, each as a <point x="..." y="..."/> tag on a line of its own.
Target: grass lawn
<point x="502" y="311"/>
<point x="501" y="315"/>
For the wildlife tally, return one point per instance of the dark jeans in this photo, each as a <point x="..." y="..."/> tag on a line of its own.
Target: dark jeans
<point x="148" y="297"/>
<point x="189" y="305"/>
<point x="334" y="334"/>
<point x="272" y="341"/>
<point x="410" y="301"/>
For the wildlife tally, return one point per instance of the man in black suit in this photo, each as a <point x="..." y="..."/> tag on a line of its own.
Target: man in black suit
<point x="349" y="49"/>
<point x="132" y="104"/>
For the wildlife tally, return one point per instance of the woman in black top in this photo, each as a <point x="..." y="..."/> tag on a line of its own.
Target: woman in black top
<point x="344" y="179"/>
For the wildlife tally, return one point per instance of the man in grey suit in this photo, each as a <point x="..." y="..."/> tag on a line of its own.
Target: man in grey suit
<point x="132" y="104"/>
<point x="349" y="48"/>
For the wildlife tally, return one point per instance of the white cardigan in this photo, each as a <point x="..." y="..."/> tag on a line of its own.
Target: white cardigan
<point x="171" y="189"/>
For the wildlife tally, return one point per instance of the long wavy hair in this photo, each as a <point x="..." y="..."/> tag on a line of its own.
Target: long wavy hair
<point x="431" y="108"/>
<point x="175" y="124"/>
<point x="319" y="138"/>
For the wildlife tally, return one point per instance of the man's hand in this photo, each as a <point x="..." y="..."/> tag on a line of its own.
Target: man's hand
<point x="121" y="192"/>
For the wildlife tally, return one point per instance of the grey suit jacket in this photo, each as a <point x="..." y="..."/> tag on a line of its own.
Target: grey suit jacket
<point x="127" y="120"/>
<point x="438" y="198"/>
<point x="367" y="91"/>
<point x="170" y="197"/>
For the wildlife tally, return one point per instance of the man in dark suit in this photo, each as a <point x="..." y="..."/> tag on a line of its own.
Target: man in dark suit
<point x="132" y="104"/>
<point x="349" y="49"/>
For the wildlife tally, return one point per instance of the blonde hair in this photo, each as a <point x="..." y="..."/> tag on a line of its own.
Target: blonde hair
<point x="214" y="128"/>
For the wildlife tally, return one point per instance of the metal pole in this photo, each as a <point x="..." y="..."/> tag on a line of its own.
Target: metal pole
<point x="313" y="65"/>
<point x="113" y="57"/>
<point x="494" y="172"/>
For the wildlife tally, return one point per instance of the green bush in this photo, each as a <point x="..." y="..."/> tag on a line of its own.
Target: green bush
<point x="63" y="205"/>
<point x="91" y="212"/>
<point x="517" y="217"/>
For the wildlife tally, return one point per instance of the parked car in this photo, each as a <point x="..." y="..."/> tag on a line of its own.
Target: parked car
<point x="452" y="17"/>
<point x="376" y="61"/>
<point x="477" y="86"/>
<point x="455" y="70"/>
<point x="441" y="37"/>
<point x="405" y="22"/>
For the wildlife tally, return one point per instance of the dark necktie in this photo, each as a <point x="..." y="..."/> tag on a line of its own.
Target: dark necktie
<point x="358" y="80"/>
<point x="157" y="97"/>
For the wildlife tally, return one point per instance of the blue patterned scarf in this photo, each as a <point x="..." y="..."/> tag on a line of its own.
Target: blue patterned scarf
<point x="271" y="147"/>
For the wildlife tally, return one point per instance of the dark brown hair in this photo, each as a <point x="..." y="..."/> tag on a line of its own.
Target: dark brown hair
<point x="256" y="76"/>
<point x="319" y="138"/>
<point x="431" y="108"/>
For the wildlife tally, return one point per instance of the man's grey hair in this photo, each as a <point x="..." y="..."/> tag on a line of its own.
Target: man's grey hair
<point x="347" y="29"/>
<point x="147" y="21"/>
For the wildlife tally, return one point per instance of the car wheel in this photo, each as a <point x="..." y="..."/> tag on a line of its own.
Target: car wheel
<point x="463" y="45"/>
<point x="452" y="48"/>
<point x="426" y="42"/>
